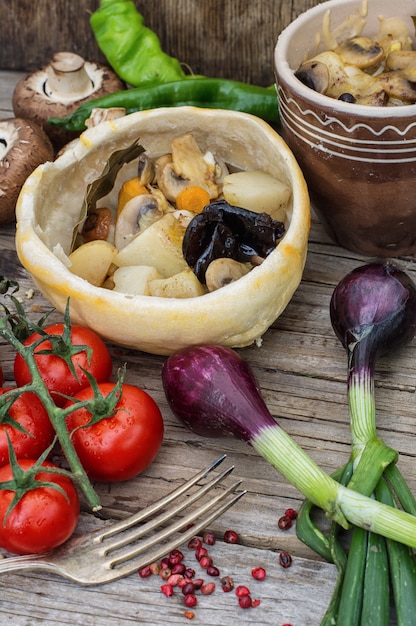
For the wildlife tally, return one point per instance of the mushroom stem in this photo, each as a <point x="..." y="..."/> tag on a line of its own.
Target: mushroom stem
<point x="68" y="78"/>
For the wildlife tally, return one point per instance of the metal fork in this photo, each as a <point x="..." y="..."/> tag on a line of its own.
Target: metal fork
<point x="119" y="550"/>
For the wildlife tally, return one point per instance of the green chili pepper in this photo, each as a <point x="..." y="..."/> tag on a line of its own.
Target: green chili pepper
<point x="211" y="93"/>
<point x="132" y="49"/>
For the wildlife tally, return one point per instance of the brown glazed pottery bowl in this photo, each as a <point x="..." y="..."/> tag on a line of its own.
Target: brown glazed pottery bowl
<point x="359" y="161"/>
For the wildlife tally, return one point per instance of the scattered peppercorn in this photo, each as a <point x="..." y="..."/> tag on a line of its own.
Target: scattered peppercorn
<point x="227" y="583"/>
<point x="194" y="543"/>
<point x="255" y="602"/>
<point x="188" y="589"/>
<point x="207" y="589"/>
<point x="145" y="572"/>
<point x="285" y="560"/>
<point x="189" y="614"/>
<point x="230" y="536"/>
<point x="213" y="571"/>
<point x="167" y="590"/>
<point x="291" y="513"/>
<point x="190" y="600"/>
<point x="209" y="539"/>
<point x="259" y="573"/>
<point x="245" y="602"/>
<point x="242" y="590"/>
<point x="284" y="522"/>
<point x="165" y="573"/>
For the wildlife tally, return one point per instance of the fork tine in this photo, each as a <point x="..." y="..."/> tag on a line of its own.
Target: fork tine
<point x="159" y="504"/>
<point x="155" y="522"/>
<point x="160" y="535"/>
<point x="134" y="564"/>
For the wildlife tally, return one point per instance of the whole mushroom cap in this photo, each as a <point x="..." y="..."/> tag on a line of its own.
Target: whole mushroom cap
<point x="23" y="146"/>
<point x="59" y="88"/>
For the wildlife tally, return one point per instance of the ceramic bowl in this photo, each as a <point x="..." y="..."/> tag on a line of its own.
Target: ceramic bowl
<point x="235" y="315"/>
<point x="359" y="161"/>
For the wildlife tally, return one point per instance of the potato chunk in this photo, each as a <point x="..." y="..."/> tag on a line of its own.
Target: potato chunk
<point x="182" y="285"/>
<point x="92" y="261"/>
<point x="257" y="191"/>
<point x="160" y="246"/>
<point x="134" y="279"/>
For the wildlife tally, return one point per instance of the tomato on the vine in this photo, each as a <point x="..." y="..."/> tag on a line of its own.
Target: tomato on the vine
<point x="55" y="372"/>
<point x="43" y="518"/>
<point x="38" y="434"/>
<point x="122" y="446"/>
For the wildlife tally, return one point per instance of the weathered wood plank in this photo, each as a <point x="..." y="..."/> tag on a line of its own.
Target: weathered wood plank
<point x="301" y="369"/>
<point x="232" y="39"/>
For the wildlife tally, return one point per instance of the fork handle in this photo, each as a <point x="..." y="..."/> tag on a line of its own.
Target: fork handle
<point x="26" y="562"/>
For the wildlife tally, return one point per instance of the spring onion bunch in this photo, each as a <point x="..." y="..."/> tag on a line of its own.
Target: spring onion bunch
<point x="373" y="313"/>
<point x="213" y="390"/>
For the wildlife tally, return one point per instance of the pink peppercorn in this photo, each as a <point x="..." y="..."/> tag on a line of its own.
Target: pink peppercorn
<point x="213" y="571"/>
<point x="259" y="573"/>
<point x="194" y="543"/>
<point x="241" y="591"/>
<point x="200" y="552"/>
<point x="227" y="583"/>
<point x="230" y="536"/>
<point x="207" y="589"/>
<point x="245" y="602"/>
<point x="291" y="513"/>
<point x="205" y="562"/>
<point x="175" y="557"/>
<point x="190" y="600"/>
<point x="145" y="572"/>
<point x="284" y="522"/>
<point x="175" y="580"/>
<point x="209" y="539"/>
<point x="165" y="573"/>
<point x="255" y="602"/>
<point x="167" y="590"/>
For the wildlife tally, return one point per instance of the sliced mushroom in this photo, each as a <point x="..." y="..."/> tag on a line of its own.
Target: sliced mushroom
<point x="170" y="183"/>
<point x="191" y="164"/>
<point x="222" y="272"/>
<point x="138" y="214"/>
<point x="362" y="52"/>
<point x="352" y="26"/>
<point x="394" y="30"/>
<point x="146" y="169"/>
<point x="401" y="60"/>
<point x="314" y="74"/>
<point x="400" y="84"/>
<point x="103" y="115"/>
<point x="23" y="146"/>
<point x="59" y="88"/>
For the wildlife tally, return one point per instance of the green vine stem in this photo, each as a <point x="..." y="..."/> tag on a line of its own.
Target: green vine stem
<point x="57" y="415"/>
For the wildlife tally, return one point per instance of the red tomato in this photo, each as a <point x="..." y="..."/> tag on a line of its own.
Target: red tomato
<point x="43" y="518"/>
<point x="28" y="411"/>
<point x="122" y="446"/>
<point x="56" y="373"/>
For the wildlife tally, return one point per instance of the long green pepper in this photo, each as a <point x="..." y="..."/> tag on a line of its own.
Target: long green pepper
<point x="133" y="50"/>
<point x="211" y="93"/>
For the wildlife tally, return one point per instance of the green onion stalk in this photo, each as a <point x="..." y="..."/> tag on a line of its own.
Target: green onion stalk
<point x="373" y="313"/>
<point x="213" y="391"/>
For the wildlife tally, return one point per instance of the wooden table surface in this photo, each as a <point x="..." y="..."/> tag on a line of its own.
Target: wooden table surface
<point x="301" y="369"/>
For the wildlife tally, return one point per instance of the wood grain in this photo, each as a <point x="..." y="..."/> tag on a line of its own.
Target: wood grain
<point x="301" y="369"/>
<point x="220" y="38"/>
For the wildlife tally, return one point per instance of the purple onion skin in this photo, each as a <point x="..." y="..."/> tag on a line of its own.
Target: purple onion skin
<point x="374" y="305"/>
<point x="214" y="392"/>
